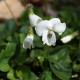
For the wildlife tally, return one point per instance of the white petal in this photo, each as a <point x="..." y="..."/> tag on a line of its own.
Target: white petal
<point x="28" y="42"/>
<point x="43" y="25"/>
<point x="44" y="37"/>
<point x="66" y="39"/>
<point x="49" y="40"/>
<point x="34" y="19"/>
<point x="53" y="39"/>
<point x="55" y="21"/>
<point x="60" y="28"/>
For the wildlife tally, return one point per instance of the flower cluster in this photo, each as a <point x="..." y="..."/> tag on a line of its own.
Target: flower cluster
<point x="46" y="28"/>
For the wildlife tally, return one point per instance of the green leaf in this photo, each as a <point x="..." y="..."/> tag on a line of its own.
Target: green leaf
<point x="7" y="28"/>
<point x="21" y="55"/>
<point x="35" y="53"/>
<point x="10" y="75"/>
<point x="46" y="75"/>
<point x="37" y="41"/>
<point x="76" y="67"/>
<point x="78" y="56"/>
<point x="63" y="75"/>
<point x="11" y="26"/>
<point x="22" y="37"/>
<point x="68" y="31"/>
<point x="61" y="63"/>
<point x="25" y="73"/>
<point x="3" y="32"/>
<point x="13" y="38"/>
<point x="2" y="27"/>
<point x="38" y="12"/>
<point x="25" y="18"/>
<point x="5" y="56"/>
<point x="4" y="66"/>
<point x="60" y="53"/>
<point x="24" y="29"/>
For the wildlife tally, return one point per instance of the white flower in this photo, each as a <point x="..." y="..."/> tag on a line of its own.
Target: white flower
<point x="68" y="38"/>
<point x="45" y="29"/>
<point x="28" y="42"/>
<point x="34" y="19"/>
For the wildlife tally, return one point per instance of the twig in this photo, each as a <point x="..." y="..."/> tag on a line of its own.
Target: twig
<point x="10" y="11"/>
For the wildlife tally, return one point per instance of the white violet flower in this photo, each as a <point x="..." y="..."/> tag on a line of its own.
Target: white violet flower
<point x="47" y="28"/>
<point x="68" y="38"/>
<point x="28" y="42"/>
<point x="33" y="18"/>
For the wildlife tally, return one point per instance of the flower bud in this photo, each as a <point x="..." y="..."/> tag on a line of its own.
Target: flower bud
<point x="34" y="19"/>
<point x="68" y="38"/>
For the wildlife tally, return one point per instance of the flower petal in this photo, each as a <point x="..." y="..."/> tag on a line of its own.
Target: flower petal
<point x="66" y="39"/>
<point x="60" y="28"/>
<point x="53" y="39"/>
<point x="55" y="21"/>
<point x="44" y="37"/>
<point x="43" y="25"/>
<point x="28" y="42"/>
<point x="34" y="19"/>
<point x="49" y="40"/>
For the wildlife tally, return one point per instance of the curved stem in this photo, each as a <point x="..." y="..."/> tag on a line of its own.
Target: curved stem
<point x="48" y="53"/>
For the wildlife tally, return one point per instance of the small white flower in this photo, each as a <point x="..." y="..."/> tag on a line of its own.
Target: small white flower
<point x="34" y="19"/>
<point x="68" y="38"/>
<point x="28" y="42"/>
<point x="45" y="29"/>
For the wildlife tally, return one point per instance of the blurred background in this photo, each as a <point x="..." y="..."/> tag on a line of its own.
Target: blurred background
<point x="8" y="8"/>
<point x="14" y="25"/>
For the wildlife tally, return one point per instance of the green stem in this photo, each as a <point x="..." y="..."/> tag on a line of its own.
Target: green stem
<point x="79" y="46"/>
<point x="30" y="11"/>
<point x="48" y="53"/>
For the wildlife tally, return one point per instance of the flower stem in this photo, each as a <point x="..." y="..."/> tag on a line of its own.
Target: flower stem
<point x="48" y="53"/>
<point x="30" y="11"/>
<point x="79" y="46"/>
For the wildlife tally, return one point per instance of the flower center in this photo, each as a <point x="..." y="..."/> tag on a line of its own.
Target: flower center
<point x="49" y="35"/>
<point x="52" y="30"/>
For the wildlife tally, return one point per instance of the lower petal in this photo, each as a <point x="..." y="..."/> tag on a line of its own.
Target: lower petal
<point x="49" y="40"/>
<point x="44" y="36"/>
<point x="53" y="38"/>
